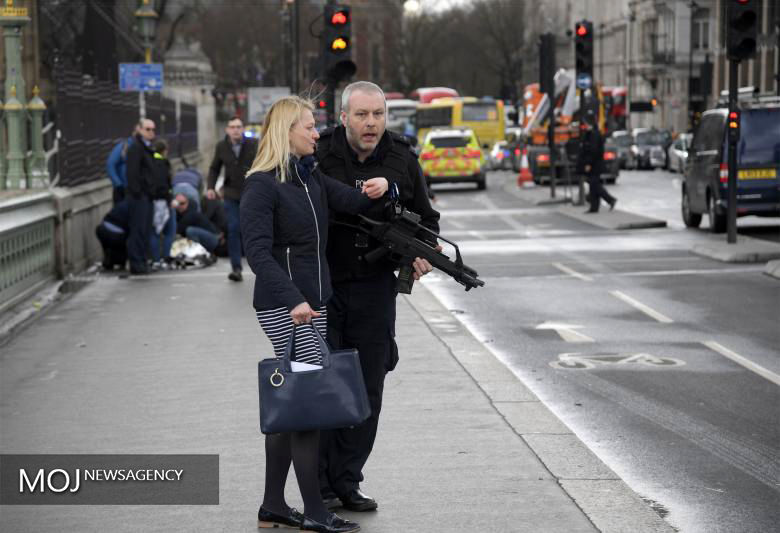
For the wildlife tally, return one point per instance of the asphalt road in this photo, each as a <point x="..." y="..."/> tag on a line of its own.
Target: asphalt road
<point x="631" y="340"/>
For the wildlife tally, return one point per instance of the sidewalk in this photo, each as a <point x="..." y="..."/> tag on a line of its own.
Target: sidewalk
<point x="167" y="364"/>
<point x="604" y="219"/>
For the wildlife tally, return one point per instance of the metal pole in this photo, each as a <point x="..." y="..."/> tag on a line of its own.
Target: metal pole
<point x="732" y="183"/>
<point x="628" y="71"/>
<point x="692" y="5"/>
<point x="296" y="46"/>
<point x="551" y="113"/>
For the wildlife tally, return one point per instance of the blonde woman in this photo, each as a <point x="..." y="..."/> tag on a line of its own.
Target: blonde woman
<point x="284" y="226"/>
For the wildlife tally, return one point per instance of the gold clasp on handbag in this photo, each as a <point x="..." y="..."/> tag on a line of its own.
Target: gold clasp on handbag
<point x="277" y="379"/>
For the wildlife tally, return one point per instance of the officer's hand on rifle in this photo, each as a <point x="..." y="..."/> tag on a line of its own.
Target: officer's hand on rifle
<point x="375" y="188"/>
<point x="422" y="266"/>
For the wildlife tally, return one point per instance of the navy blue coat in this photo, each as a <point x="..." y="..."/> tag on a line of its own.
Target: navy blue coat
<point x="284" y="228"/>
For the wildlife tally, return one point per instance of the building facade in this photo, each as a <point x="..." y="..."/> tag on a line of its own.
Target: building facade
<point x="673" y="51"/>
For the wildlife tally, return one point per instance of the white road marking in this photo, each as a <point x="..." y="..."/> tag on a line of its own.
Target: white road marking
<point x="572" y="272"/>
<point x="566" y="331"/>
<point x="649" y="311"/>
<point x="492" y="212"/>
<point x="744" y="361"/>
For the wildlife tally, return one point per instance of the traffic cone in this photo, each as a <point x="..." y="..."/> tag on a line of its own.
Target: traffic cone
<point x="525" y="178"/>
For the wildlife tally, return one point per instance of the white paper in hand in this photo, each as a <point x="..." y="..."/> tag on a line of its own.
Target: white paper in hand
<point x="303" y="367"/>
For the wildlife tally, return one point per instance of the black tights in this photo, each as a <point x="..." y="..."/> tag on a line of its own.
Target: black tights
<point x="302" y="448"/>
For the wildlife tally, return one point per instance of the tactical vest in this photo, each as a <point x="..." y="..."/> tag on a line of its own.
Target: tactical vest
<point x="347" y="246"/>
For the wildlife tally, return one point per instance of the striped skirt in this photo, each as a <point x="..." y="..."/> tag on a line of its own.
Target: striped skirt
<point x="277" y="324"/>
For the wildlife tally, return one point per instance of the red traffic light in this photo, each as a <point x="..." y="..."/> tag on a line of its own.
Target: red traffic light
<point x="339" y="18"/>
<point x="733" y="115"/>
<point x="582" y="31"/>
<point x="322" y="104"/>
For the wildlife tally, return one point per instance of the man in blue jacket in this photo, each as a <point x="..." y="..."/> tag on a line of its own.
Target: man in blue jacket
<point x="117" y="166"/>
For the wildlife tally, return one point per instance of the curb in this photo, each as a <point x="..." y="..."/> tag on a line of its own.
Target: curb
<point x="773" y="269"/>
<point x="747" y="251"/>
<point x="29" y="310"/>
<point x="613" y="220"/>
<point x="599" y="492"/>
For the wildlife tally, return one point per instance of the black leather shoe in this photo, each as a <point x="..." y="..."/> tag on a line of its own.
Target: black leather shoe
<point x="591" y="211"/>
<point x="267" y="519"/>
<point x="612" y="204"/>
<point x="334" y="524"/>
<point x="235" y="276"/>
<point x="355" y="500"/>
<point x="331" y="502"/>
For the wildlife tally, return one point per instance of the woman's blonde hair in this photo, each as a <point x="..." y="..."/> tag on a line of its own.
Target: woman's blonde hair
<point x="274" y="150"/>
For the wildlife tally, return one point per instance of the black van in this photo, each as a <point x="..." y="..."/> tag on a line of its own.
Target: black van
<point x="705" y="188"/>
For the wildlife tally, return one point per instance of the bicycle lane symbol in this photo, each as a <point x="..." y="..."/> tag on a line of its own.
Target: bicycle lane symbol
<point x="579" y="361"/>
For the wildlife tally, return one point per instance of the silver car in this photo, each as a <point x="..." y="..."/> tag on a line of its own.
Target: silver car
<point x="677" y="153"/>
<point x="649" y="148"/>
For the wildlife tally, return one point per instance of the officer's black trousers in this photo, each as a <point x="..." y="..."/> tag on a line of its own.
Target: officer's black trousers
<point x="140" y="228"/>
<point x="597" y="192"/>
<point x="361" y="314"/>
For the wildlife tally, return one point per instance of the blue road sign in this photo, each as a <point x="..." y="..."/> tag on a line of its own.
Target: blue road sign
<point x="140" y="76"/>
<point x="584" y="81"/>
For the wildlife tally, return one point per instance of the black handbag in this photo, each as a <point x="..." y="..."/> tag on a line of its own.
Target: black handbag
<point x="331" y="397"/>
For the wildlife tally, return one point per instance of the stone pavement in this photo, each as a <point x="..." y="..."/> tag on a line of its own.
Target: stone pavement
<point x="167" y="364"/>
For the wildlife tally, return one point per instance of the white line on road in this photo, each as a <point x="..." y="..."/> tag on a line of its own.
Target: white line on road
<point x="744" y="361"/>
<point x="567" y="332"/>
<point x="572" y="272"/>
<point x="649" y="311"/>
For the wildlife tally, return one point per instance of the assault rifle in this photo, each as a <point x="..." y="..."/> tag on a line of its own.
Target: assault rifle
<point x="401" y="243"/>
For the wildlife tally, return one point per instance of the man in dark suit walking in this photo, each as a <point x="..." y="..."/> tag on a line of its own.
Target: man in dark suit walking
<point x="236" y="153"/>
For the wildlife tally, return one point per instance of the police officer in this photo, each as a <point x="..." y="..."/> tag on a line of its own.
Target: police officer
<point x="591" y="163"/>
<point x="361" y="312"/>
<point x="140" y="169"/>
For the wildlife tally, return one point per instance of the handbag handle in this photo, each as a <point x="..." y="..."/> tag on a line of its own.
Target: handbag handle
<point x="290" y="349"/>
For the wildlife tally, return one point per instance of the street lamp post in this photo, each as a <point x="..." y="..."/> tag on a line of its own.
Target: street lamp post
<point x="146" y="18"/>
<point x="12" y="19"/>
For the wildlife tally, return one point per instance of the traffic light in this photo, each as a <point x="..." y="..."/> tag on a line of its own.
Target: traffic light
<point x="733" y="124"/>
<point x="583" y="49"/>
<point x="741" y="29"/>
<point x="337" y="43"/>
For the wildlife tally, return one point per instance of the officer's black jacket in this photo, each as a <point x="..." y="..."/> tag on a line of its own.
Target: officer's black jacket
<point x="284" y="229"/>
<point x="591" y="153"/>
<point x="140" y="168"/>
<point x="392" y="159"/>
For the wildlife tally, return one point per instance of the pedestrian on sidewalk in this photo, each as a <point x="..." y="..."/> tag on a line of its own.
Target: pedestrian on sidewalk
<point x="591" y="163"/>
<point x="164" y="215"/>
<point x="361" y="313"/>
<point x="235" y="153"/>
<point x="140" y="166"/>
<point x="284" y="224"/>
<point x="116" y="166"/>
